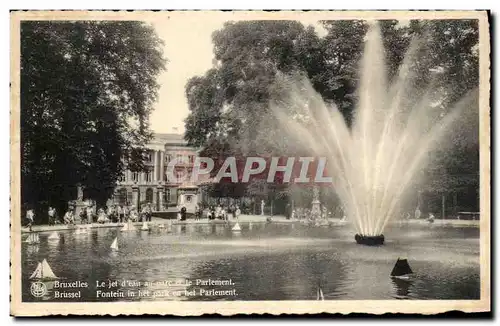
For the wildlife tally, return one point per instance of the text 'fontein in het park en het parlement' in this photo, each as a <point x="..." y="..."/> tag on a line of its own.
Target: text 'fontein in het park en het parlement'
<point x="375" y="161"/>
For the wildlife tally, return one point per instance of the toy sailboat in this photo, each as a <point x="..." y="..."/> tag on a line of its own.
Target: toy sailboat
<point x="53" y="237"/>
<point x="144" y="227"/>
<point x="236" y="227"/>
<point x="114" y="245"/>
<point x="128" y="227"/>
<point x="161" y="226"/>
<point x="320" y="296"/>
<point x="401" y="269"/>
<point x="33" y="238"/>
<point x="43" y="271"/>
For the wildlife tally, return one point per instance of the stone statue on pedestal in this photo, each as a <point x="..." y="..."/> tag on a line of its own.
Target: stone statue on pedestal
<point x="316" y="205"/>
<point x="262" y="204"/>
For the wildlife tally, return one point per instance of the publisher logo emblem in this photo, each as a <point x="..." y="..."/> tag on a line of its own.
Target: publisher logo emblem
<point x="38" y="289"/>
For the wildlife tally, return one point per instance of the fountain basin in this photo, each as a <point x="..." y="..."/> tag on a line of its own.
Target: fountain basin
<point x="366" y="240"/>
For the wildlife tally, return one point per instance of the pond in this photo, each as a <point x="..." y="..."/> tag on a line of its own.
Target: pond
<point x="262" y="262"/>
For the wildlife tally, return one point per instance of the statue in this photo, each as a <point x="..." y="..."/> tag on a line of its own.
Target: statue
<point x="316" y="205"/>
<point x="262" y="204"/>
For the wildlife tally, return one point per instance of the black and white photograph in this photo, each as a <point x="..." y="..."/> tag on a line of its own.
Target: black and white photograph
<point x="195" y="162"/>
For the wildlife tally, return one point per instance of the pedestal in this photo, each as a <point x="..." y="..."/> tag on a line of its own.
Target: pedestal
<point x="316" y="205"/>
<point x="135" y="196"/>
<point x="377" y="240"/>
<point x="160" y="198"/>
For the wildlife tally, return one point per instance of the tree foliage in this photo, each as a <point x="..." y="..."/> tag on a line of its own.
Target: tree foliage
<point x="87" y="89"/>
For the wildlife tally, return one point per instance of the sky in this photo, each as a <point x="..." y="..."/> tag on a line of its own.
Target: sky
<point x="188" y="48"/>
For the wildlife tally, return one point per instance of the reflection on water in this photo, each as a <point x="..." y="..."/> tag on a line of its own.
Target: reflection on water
<point x="401" y="287"/>
<point x="263" y="262"/>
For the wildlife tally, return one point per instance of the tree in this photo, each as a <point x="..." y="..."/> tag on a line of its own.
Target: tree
<point x="87" y="89"/>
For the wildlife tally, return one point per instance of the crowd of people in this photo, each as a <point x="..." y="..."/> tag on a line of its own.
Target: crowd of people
<point x="301" y="213"/>
<point x="219" y="212"/>
<point x="89" y="214"/>
<point x="123" y="213"/>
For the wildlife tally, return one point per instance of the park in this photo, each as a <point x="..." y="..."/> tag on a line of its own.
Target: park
<point x="386" y="120"/>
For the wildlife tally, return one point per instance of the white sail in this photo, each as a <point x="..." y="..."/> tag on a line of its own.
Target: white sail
<point x="54" y="236"/>
<point x="125" y="227"/>
<point x="43" y="271"/>
<point x="38" y="272"/>
<point x="320" y="295"/>
<point x="161" y="226"/>
<point x="114" y="245"/>
<point x="47" y="271"/>
<point x="33" y="238"/>
<point x="144" y="226"/>
<point x="237" y="227"/>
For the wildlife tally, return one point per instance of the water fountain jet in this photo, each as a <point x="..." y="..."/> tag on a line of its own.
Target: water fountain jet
<point x="380" y="156"/>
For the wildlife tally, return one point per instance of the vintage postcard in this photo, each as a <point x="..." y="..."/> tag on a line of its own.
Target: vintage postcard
<point x="207" y="162"/>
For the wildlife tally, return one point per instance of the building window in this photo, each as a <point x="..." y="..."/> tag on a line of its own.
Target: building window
<point x="122" y="177"/>
<point x="167" y="195"/>
<point x="135" y="176"/>
<point x="178" y="175"/>
<point x="149" y="176"/>
<point x="149" y="195"/>
<point x="168" y="158"/>
<point x="129" y="197"/>
<point x="191" y="159"/>
<point x="149" y="157"/>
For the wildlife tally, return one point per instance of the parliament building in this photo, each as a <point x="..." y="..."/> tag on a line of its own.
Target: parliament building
<point x="154" y="186"/>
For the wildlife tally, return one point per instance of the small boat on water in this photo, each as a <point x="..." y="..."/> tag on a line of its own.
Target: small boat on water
<point x="402" y="269"/>
<point x="161" y="226"/>
<point x="144" y="227"/>
<point x="128" y="227"/>
<point x="43" y="272"/>
<point x="54" y="236"/>
<point x="114" y="245"/>
<point x="236" y="227"/>
<point x="33" y="238"/>
<point x="320" y="296"/>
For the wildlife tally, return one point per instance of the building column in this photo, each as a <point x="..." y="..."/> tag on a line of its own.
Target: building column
<point x="155" y="197"/>
<point x="155" y="166"/>
<point x="162" y="165"/>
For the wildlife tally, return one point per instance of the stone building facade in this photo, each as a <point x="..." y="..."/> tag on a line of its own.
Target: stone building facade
<point x="154" y="186"/>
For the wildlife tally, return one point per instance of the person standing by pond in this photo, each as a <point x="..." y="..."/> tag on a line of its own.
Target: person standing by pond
<point x="68" y="217"/>
<point x="183" y="213"/>
<point x="119" y="211"/>
<point x="149" y="213"/>
<point x="125" y="212"/>
<point x="418" y="213"/>
<point x="30" y="217"/>
<point x="52" y="215"/>
<point x="237" y="212"/>
<point x="83" y="216"/>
